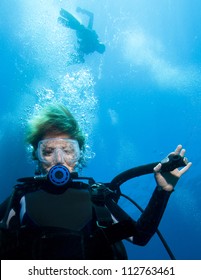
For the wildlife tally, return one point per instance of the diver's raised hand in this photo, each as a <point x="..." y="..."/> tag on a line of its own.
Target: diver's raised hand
<point x="168" y="180"/>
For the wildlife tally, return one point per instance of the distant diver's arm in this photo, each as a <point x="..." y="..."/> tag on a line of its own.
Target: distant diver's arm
<point x="89" y="14"/>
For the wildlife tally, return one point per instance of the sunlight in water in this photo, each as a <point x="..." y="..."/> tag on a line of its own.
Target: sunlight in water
<point x="146" y="51"/>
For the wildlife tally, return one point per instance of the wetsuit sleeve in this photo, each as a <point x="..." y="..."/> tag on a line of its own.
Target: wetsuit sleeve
<point x="91" y="20"/>
<point x="148" y="222"/>
<point x="89" y="14"/>
<point x="144" y="228"/>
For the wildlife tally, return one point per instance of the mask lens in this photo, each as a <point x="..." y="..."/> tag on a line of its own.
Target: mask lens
<point x="53" y="151"/>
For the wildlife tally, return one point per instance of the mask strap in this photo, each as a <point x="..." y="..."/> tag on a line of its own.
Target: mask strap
<point x="37" y="168"/>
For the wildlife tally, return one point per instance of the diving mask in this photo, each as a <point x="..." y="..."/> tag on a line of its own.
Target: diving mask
<point x="54" y="151"/>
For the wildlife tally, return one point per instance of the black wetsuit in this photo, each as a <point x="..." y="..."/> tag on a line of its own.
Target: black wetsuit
<point x="50" y="226"/>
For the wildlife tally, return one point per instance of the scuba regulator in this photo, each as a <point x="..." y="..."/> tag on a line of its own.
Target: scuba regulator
<point x="59" y="177"/>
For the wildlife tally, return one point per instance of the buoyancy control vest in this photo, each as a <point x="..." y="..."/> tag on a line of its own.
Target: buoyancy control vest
<point x="59" y="226"/>
<point x="74" y="223"/>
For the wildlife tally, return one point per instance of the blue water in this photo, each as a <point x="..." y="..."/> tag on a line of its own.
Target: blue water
<point x="136" y="102"/>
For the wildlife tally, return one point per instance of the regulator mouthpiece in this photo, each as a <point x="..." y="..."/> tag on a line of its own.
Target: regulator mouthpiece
<point x="59" y="175"/>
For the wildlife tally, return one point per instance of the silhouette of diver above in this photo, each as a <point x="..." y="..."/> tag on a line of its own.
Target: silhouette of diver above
<point x="87" y="38"/>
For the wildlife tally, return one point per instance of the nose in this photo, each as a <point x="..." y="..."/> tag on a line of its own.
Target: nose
<point x="59" y="156"/>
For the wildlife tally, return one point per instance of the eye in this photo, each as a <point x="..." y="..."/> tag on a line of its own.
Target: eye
<point x="48" y="152"/>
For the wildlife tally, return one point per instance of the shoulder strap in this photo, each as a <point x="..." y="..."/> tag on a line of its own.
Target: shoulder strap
<point x="98" y="193"/>
<point x="105" y="207"/>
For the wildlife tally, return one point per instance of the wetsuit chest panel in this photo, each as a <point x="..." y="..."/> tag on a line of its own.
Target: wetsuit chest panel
<point x="71" y="210"/>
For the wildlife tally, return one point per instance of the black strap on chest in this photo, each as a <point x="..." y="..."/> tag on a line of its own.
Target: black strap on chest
<point x="99" y="194"/>
<point x="114" y="222"/>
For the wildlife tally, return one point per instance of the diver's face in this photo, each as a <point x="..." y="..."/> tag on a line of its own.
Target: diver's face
<point x="59" y="149"/>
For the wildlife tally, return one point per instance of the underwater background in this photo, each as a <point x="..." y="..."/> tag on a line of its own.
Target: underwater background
<point x="135" y="103"/>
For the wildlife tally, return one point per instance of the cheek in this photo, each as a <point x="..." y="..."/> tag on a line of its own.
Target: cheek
<point x="70" y="168"/>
